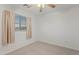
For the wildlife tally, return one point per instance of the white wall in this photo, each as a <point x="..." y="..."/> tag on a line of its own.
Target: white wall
<point x="20" y="37"/>
<point x="60" y="28"/>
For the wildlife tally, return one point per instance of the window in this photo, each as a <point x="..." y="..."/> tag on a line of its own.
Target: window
<point x="20" y="23"/>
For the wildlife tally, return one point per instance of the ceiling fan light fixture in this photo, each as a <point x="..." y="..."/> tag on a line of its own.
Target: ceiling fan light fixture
<point x="41" y="5"/>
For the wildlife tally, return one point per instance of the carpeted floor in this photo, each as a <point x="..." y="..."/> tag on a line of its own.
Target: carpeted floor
<point x="40" y="48"/>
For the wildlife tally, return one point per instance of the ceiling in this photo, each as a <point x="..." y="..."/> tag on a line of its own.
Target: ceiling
<point x="35" y="10"/>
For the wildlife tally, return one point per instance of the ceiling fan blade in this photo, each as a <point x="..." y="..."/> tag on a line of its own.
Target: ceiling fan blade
<point x="51" y="5"/>
<point x="27" y="5"/>
<point x="24" y="4"/>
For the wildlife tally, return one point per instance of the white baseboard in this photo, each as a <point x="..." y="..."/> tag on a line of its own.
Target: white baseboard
<point x="54" y="43"/>
<point x="12" y="47"/>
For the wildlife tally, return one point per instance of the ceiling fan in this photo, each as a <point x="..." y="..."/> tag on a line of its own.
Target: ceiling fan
<point x="41" y="6"/>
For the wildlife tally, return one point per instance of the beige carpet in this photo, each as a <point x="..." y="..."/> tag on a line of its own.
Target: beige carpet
<point x="40" y="48"/>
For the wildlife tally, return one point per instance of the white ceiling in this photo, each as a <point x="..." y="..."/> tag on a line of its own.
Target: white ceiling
<point x="35" y="10"/>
